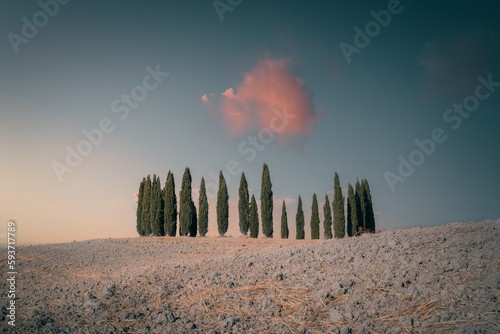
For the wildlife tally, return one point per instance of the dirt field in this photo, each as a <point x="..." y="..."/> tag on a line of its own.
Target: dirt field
<point x="428" y="280"/>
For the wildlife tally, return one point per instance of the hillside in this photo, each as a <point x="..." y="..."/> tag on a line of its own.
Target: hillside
<point x="439" y="279"/>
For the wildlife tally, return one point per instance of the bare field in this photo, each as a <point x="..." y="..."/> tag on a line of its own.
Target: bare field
<point x="429" y="280"/>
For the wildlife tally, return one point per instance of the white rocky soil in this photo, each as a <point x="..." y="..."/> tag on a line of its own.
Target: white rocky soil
<point x="423" y="280"/>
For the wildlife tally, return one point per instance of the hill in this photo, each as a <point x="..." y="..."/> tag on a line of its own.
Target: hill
<point x="439" y="279"/>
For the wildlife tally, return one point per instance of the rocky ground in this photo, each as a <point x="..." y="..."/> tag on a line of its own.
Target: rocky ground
<point x="424" y="280"/>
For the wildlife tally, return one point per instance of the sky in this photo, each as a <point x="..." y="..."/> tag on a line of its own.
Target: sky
<point x="96" y="95"/>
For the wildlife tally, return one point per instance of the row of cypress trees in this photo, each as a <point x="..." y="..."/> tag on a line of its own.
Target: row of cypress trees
<point x="360" y="216"/>
<point x="247" y="208"/>
<point x="157" y="209"/>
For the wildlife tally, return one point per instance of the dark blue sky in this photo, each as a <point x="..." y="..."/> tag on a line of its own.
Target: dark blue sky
<point x="358" y="117"/>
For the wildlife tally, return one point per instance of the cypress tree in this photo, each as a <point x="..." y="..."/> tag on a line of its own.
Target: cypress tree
<point x="254" y="219"/>
<point x="222" y="206"/>
<point x="146" y="209"/>
<point x="327" y="211"/>
<point x="161" y="204"/>
<point x="338" y="209"/>
<point x="284" y="222"/>
<point x="370" y="216"/>
<point x="193" y="224"/>
<point x="348" y="221"/>
<point x="170" y="206"/>
<point x="203" y="209"/>
<point x="244" y="205"/>
<point x="162" y="208"/>
<point x="352" y="212"/>
<point x="156" y="219"/>
<point x="140" y="198"/>
<point x="299" y="221"/>
<point x="314" y="218"/>
<point x="266" y="203"/>
<point x="185" y="214"/>
<point x="358" y="203"/>
<point x="361" y="206"/>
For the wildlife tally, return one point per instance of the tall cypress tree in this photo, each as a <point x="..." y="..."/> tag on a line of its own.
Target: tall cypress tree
<point x="284" y="222"/>
<point x="193" y="224"/>
<point x="146" y="208"/>
<point x="370" y="216"/>
<point x="203" y="209"/>
<point x="170" y="206"/>
<point x="314" y="218"/>
<point x="161" y="204"/>
<point x="140" y="199"/>
<point x="244" y="205"/>
<point x="352" y="212"/>
<point x="162" y="209"/>
<point x="348" y="221"/>
<point x="266" y="203"/>
<point x="299" y="221"/>
<point x="222" y="206"/>
<point x="338" y="209"/>
<point x="361" y="205"/>
<point x="254" y="219"/>
<point x="328" y="218"/>
<point x="156" y="221"/>
<point x="185" y="214"/>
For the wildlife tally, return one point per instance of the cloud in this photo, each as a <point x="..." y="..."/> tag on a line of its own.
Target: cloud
<point x="229" y="93"/>
<point x="205" y="98"/>
<point x="453" y="63"/>
<point x="270" y="96"/>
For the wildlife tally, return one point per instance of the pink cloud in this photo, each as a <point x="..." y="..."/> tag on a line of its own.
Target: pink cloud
<point x="205" y="98"/>
<point x="229" y="93"/>
<point x="267" y="94"/>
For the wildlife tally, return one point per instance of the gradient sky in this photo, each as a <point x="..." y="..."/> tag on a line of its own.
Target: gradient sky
<point x="354" y="118"/>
